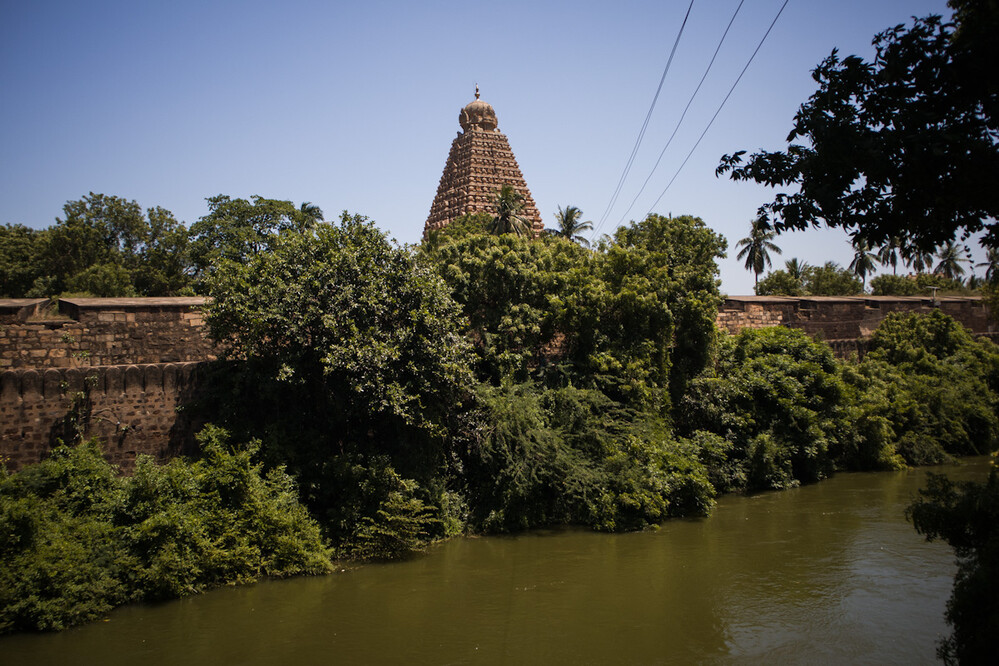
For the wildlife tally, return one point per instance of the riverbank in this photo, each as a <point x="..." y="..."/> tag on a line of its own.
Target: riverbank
<point x="826" y="572"/>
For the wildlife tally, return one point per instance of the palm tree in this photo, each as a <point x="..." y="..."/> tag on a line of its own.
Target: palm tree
<point x="863" y="259"/>
<point x="917" y="258"/>
<point x="991" y="264"/>
<point x="888" y="253"/>
<point x="756" y="247"/>
<point x="950" y="261"/>
<point x="311" y="211"/>
<point x="570" y="227"/>
<point x="509" y="205"/>
<point x="796" y="269"/>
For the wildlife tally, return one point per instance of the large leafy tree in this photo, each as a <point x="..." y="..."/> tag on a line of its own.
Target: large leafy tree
<point x="757" y="246"/>
<point x="108" y="246"/>
<point x="348" y="361"/>
<point x="905" y="145"/>
<point x="238" y="229"/>
<point x="571" y="225"/>
<point x="19" y="266"/>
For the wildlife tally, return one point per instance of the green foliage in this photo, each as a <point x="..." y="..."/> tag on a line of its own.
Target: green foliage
<point x="19" y="266"/>
<point x="76" y="539"/>
<point x="571" y="226"/>
<point x="402" y="525"/>
<point x="830" y="279"/>
<point x="757" y="246"/>
<point x="894" y="285"/>
<point x="348" y="363"/>
<point x="508" y="216"/>
<point x="775" y="395"/>
<point x="102" y="281"/>
<point x="916" y="285"/>
<point x="463" y="226"/>
<point x="944" y="393"/>
<point x="573" y="456"/>
<point x="780" y="283"/>
<point x="106" y="246"/>
<point x="903" y="146"/>
<point x="826" y="280"/>
<point x="966" y="516"/>
<point x="237" y="229"/>
<point x="634" y="319"/>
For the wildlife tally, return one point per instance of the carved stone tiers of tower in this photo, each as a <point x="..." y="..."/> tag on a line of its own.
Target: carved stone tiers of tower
<point x="479" y="164"/>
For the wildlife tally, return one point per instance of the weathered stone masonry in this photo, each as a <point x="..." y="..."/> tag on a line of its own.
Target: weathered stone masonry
<point x="123" y="369"/>
<point x="132" y="409"/>
<point x="117" y="369"/>
<point x="846" y="321"/>
<point x="102" y="331"/>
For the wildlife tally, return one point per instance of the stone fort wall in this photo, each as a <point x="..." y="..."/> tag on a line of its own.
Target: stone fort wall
<point x="132" y="409"/>
<point x="120" y="369"/>
<point x="845" y="317"/>
<point x="123" y="369"/>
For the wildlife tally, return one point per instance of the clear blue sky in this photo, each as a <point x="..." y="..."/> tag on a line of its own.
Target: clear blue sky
<point x="354" y="105"/>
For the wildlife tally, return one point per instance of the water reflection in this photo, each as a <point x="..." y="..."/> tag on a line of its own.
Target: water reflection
<point x="829" y="573"/>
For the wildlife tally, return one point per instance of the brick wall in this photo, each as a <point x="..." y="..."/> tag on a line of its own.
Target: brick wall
<point x="119" y="369"/>
<point x="133" y="409"/>
<point x="844" y="318"/>
<point x="93" y="332"/>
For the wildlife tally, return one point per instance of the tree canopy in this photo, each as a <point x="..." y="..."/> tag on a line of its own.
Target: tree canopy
<point x="103" y="246"/>
<point x="904" y="145"/>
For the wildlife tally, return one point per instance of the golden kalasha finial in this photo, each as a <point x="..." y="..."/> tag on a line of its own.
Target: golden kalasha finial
<point x="476" y="91"/>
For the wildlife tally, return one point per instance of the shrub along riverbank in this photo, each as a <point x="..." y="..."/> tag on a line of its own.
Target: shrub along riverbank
<point x="479" y="383"/>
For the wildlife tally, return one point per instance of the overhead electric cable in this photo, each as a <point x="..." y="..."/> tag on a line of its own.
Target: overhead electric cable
<point x="684" y="114"/>
<point x="720" y="106"/>
<point x="641" y="133"/>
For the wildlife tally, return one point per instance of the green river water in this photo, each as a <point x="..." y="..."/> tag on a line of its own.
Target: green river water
<point x="825" y="574"/>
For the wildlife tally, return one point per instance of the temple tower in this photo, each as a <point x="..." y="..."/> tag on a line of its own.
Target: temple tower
<point x="479" y="164"/>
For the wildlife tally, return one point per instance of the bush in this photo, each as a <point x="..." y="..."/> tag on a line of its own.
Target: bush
<point x="573" y="456"/>
<point x="76" y="539"/>
<point x="776" y="397"/>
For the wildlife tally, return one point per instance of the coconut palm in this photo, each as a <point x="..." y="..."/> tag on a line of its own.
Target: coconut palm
<point x="756" y="247"/>
<point x="796" y="268"/>
<point x="863" y="259"/>
<point x="311" y="211"/>
<point x="950" y="261"/>
<point x="889" y="252"/>
<point x="508" y="218"/>
<point x="991" y="264"/>
<point x="569" y="225"/>
<point x="917" y="258"/>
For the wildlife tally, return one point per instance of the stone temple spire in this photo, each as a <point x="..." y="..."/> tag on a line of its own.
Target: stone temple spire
<point x="479" y="164"/>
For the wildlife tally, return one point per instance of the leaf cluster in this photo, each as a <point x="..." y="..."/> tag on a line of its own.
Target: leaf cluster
<point x="77" y="540"/>
<point x="902" y="146"/>
<point x="104" y="246"/>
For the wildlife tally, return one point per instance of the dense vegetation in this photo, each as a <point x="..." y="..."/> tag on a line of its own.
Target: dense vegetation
<point x="479" y="383"/>
<point x="77" y="539"/>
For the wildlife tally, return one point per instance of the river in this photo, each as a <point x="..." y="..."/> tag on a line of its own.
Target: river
<point x="826" y="574"/>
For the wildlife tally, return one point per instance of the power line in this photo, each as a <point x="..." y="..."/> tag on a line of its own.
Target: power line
<point x="684" y="114"/>
<point x="720" y="106"/>
<point x="641" y="133"/>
